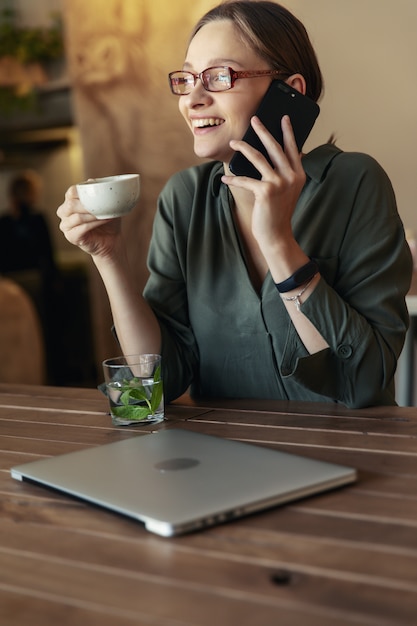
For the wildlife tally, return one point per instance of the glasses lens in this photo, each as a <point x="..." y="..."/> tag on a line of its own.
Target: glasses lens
<point x="181" y="82"/>
<point x="216" y="79"/>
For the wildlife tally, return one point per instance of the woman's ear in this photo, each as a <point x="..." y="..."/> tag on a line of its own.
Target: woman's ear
<point x="297" y="81"/>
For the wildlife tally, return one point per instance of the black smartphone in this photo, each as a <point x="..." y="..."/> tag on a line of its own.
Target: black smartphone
<point x="279" y="100"/>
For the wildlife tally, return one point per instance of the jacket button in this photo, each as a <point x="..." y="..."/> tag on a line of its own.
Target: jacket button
<point x="344" y="351"/>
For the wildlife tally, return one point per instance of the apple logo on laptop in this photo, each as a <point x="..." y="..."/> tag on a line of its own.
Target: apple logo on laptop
<point x="175" y="464"/>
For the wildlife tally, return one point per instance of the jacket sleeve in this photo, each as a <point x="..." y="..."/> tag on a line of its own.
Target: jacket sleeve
<point x="359" y="304"/>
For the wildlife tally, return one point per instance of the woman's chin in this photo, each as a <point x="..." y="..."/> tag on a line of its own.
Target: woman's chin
<point x="212" y="155"/>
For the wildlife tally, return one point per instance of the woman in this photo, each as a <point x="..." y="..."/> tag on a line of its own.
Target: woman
<point x="224" y="303"/>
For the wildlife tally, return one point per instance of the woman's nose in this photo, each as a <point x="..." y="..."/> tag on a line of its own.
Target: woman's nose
<point x="198" y="96"/>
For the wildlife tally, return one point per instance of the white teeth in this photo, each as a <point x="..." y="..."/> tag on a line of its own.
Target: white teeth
<point x="209" y="121"/>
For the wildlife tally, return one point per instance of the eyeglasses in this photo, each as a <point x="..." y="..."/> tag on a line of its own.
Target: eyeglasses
<point x="212" y="79"/>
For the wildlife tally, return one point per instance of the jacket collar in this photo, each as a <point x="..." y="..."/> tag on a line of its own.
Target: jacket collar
<point x="316" y="162"/>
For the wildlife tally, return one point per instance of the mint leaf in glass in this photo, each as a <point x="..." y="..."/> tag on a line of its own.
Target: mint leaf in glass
<point x="139" y="401"/>
<point x="131" y="412"/>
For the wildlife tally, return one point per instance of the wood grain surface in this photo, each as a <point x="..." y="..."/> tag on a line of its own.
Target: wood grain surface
<point x="345" y="557"/>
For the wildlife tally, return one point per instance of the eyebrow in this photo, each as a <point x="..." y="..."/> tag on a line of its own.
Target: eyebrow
<point x="215" y="63"/>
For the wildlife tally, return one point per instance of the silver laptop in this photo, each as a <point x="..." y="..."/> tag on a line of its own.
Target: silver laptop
<point x="176" y="481"/>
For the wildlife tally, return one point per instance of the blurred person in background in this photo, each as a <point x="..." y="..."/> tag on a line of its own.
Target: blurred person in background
<point x="26" y="250"/>
<point x="24" y="236"/>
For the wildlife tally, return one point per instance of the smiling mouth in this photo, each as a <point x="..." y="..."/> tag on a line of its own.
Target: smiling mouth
<point x="206" y="122"/>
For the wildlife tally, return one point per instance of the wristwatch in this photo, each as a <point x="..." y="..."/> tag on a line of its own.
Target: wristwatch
<point x="300" y="277"/>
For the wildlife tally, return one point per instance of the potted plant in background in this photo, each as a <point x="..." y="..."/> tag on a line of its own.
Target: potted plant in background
<point x="26" y="55"/>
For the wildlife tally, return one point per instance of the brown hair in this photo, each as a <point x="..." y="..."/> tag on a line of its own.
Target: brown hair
<point x="275" y="34"/>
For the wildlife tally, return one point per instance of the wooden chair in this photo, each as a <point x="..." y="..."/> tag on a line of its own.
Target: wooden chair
<point x="22" y="350"/>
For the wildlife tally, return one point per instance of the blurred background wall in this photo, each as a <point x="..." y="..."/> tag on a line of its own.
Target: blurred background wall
<point x="110" y="110"/>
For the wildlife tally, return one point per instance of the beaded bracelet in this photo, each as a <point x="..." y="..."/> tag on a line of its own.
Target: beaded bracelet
<point x="296" y="298"/>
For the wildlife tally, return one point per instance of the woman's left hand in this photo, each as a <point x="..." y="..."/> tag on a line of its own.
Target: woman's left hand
<point x="276" y="194"/>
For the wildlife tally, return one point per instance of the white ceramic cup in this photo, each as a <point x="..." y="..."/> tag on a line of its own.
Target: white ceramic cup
<point x="112" y="196"/>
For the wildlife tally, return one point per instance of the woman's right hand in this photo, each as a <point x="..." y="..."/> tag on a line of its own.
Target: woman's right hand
<point x="96" y="237"/>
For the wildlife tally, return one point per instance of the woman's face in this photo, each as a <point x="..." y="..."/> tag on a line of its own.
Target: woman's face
<point x="215" y="118"/>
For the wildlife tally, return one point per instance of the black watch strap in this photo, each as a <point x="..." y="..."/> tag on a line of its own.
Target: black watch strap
<point x="301" y="276"/>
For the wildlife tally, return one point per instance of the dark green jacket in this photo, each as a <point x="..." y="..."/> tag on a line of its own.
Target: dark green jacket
<point x="224" y="339"/>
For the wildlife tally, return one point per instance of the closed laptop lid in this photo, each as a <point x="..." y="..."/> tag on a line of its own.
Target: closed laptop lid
<point x="176" y="481"/>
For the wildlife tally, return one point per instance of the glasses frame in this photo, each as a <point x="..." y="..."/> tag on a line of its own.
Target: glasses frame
<point x="234" y="76"/>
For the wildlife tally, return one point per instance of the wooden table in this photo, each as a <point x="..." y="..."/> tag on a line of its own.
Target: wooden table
<point x="347" y="557"/>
